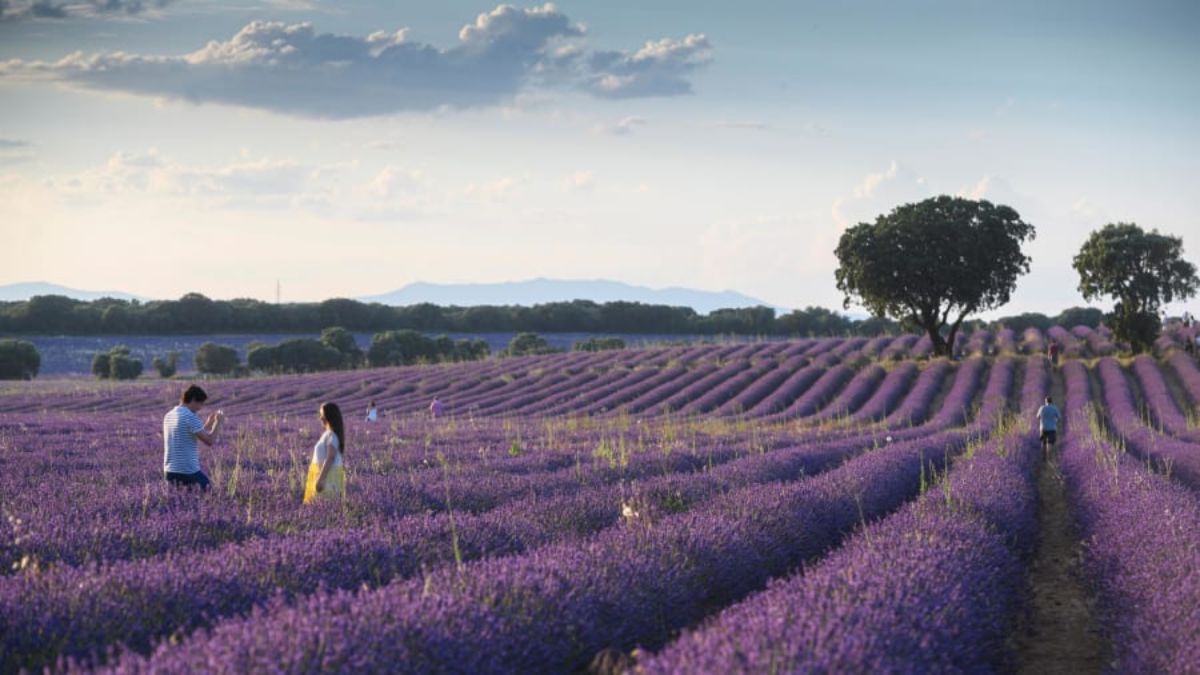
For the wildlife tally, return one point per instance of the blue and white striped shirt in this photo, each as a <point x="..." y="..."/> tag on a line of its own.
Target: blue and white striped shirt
<point x="180" y="454"/>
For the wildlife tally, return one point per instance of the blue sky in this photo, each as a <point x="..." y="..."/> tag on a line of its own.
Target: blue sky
<point x="348" y="148"/>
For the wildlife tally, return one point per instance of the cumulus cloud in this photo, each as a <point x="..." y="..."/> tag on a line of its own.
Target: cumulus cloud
<point x="659" y="68"/>
<point x="18" y="10"/>
<point x="878" y="193"/>
<point x="292" y="69"/>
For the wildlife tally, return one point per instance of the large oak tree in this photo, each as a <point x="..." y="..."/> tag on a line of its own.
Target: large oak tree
<point x="933" y="263"/>
<point x="1141" y="271"/>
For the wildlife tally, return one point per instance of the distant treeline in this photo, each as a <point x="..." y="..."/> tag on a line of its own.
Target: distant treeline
<point x="196" y="314"/>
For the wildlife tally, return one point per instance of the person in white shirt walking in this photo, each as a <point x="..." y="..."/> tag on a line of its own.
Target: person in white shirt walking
<point x="181" y="429"/>
<point x="372" y="412"/>
<point x="1048" y="417"/>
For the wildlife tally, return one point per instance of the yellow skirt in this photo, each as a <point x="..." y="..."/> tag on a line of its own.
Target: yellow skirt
<point x="335" y="483"/>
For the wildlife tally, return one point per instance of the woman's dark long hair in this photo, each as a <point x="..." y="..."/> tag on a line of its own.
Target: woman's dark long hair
<point x="330" y="412"/>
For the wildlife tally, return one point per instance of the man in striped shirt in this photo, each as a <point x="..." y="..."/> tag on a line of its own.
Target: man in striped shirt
<point x="181" y="429"/>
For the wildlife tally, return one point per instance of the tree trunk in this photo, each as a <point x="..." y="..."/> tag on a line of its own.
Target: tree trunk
<point x="940" y="348"/>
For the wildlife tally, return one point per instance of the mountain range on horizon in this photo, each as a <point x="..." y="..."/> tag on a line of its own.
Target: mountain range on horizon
<point x="528" y="292"/>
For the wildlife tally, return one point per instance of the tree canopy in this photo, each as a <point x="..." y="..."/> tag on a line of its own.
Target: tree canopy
<point x="934" y="262"/>
<point x="19" y="360"/>
<point x="1141" y="271"/>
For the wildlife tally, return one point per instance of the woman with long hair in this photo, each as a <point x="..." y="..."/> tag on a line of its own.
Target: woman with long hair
<point x="326" y="474"/>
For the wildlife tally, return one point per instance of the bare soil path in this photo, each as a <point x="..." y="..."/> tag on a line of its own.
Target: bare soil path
<point x="1059" y="634"/>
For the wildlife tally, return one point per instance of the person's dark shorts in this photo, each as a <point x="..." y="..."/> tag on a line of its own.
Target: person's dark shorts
<point x="197" y="479"/>
<point x="1049" y="436"/>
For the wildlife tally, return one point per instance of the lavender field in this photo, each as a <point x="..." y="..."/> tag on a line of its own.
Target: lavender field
<point x="819" y="505"/>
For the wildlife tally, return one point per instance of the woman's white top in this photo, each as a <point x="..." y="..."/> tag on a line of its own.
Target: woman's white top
<point x="325" y="444"/>
<point x="372" y="415"/>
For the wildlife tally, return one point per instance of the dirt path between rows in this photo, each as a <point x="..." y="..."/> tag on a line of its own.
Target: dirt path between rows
<point x="1059" y="634"/>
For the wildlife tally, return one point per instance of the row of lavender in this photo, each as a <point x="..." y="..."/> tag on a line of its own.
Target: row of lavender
<point x="261" y="469"/>
<point x="933" y="587"/>
<point x="1141" y="533"/>
<point x="552" y="608"/>
<point x="585" y="517"/>
<point x="144" y="600"/>
<point x="647" y="381"/>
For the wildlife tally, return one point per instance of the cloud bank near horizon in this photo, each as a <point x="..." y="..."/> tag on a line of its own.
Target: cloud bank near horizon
<point x="291" y="69"/>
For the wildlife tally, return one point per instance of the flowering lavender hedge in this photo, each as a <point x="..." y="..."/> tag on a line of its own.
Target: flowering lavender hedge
<point x="1159" y="400"/>
<point x="1189" y="377"/>
<point x="853" y="396"/>
<point x="1181" y="458"/>
<point x="1142" y="547"/>
<point x="888" y="395"/>
<point x="934" y="587"/>
<point x="551" y="609"/>
<point x="77" y="611"/>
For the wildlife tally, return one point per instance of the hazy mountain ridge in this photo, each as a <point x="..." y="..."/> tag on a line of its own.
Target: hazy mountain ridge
<point x="539" y="291"/>
<point x="526" y="293"/>
<point x="23" y="291"/>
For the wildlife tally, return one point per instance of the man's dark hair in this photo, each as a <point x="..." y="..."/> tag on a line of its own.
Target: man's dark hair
<point x="1048" y="399"/>
<point x="193" y="393"/>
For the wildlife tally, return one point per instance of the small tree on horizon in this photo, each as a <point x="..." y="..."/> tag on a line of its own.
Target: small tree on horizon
<point x="19" y="360"/>
<point x="214" y="359"/>
<point x="1141" y="271"/>
<point x="933" y="263"/>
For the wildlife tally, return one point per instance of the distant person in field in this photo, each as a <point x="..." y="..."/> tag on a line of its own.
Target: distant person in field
<point x="1048" y="417"/>
<point x="181" y="429"/>
<point x="372" y="412"/>
<point x="436" y="408"/>
<point x="1052" y="351"/>
<point x="326" y="473"/>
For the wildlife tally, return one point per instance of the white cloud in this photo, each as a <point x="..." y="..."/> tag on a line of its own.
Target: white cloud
<point x="393" y="181"/>
<point x="659" y="68"/>
<point x="290" y="68"/>
<point x="877" y="194"/>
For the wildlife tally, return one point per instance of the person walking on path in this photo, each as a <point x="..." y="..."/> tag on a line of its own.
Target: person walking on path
<point x="326" y="473"/>
<point x="436" y="408"/>
<point x="1048" y="417"/>
<point x="372" y="412"/>
<point x="1052" y="351"/>
<point x="181" y="429"/>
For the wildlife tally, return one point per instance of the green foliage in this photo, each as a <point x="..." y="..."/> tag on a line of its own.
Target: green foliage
<point x="19" y="360"/>
<point x="121" y="366"/>
<point x="166" y="365"/>
<point x="100" y="365"/>
<point x="406" y="347"/>
<point x="1080" y="316"/>
<point x="197" y="314"/>
<point x="215" y="359"/>
<point x="297" y="355"/>
<point x="598" y="344"/>
<point x="527" y="344"/>
<point x="1141" y="271"/>
<point x="342" y="341"/>
<point x="116" y="364"/>
<point x="934" y="262"/>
